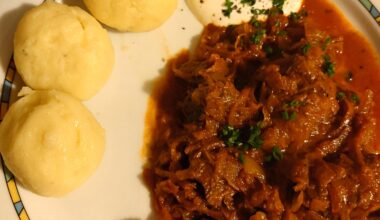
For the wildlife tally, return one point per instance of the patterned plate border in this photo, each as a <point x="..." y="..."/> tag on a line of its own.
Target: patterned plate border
<point x="4" y="105"/>
<point x="371" y="9"/>
<point x="9" y="178"/>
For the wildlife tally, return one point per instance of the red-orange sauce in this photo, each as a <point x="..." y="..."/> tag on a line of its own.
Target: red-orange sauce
<point x="317" y="181"/>
<point x="359" y="56"/>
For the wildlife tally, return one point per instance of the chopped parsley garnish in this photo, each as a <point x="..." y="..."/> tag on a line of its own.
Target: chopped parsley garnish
<point x="230" y="136"/>
<point x="355" y="99"/>
<point x="296" y="16"/>
<point x="228" y="8"/>
<point x="256" y="12"/>
<point x="326" y="43"/>
<point x="241" y="157"/>
<point x="276" y="155"/>
<point x="288" y="114"/>
<point x="255" y="23"/>
<point x="279" y="4"/>
<point x="282" y="33"/>
<point x="305" y="48"/>
<point x="258" y="36"/>
<point x="243" y="138"/>
<point x="249" y="2"/>
<point x="254" y="139"/>
<point x="277" y="23"/>
<point x="268" y="49"/>
<point x="285" y="115"/>
<point x="294" y="103"/>
<point x="328" y="66"/>
<point x="340" y="95"/>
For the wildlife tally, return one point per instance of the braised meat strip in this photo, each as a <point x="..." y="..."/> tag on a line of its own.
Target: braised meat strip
<point x="259" y="129"/>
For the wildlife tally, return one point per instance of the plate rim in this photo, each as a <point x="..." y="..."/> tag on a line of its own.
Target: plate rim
<point x="7" y="84"/>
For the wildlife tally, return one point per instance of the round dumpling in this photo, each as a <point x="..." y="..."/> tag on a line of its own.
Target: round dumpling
<point x="132" y="15"/>
<point x="63" y="48"/>
<point x="51" y="142"/>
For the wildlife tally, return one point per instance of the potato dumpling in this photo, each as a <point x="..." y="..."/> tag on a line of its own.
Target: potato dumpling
<point x="63" y="48"/>
<point x="132" y="15"/>
<point x="51" y="142"/>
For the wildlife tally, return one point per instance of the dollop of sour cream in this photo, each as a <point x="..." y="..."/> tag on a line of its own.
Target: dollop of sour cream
<point x="211" y="11"/>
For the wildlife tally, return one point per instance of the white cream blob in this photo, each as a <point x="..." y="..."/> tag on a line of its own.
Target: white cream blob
<point x="211" y="11"/>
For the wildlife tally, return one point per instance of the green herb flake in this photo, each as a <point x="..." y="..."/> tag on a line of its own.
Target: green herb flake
<point x="285" y="115"/>
<point x="277" y="23"/>
<point x="293" y="116"/>
<point x="328" y="66"/>
<point x="230" y="136"/>
<point x="268" y="49"/>
<point x="244" y="138"/>
<point x="355" y="99"/>
<point x="294" y="103"/>
<point x="228" y="7"/>
<point x="276" y="155"/>
<point x="282" y="33"/>
<point x="279" y="4"/>
<point x="258" y="36"/>
<point x="241" y="157"/>
<point x="249" y="2"/>
<point x="326" y="43"/>
<point x="340" y="95"/>
<point x="254" y="138"/>
<point x="233" y="139"/>
<point x="257" y="12"/>
<point x="305" y="48"/>
<point x="255" y="23"/>
<point x="296" y="16"/>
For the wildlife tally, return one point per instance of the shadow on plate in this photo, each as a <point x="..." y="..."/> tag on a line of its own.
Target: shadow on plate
<point x="8" y="23"/>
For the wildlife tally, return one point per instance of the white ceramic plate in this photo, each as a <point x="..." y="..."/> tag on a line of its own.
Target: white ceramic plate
<point x="116" y="191"/>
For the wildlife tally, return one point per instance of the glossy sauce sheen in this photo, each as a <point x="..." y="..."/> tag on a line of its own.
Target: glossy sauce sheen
<point x="322" y="164"/>
<point x="358" y="56"/>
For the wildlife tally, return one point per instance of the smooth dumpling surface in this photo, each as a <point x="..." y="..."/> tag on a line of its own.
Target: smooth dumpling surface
<point x="51" y="142"/>
<point x="132" y="15"/>
<point x="63" y="48"/>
